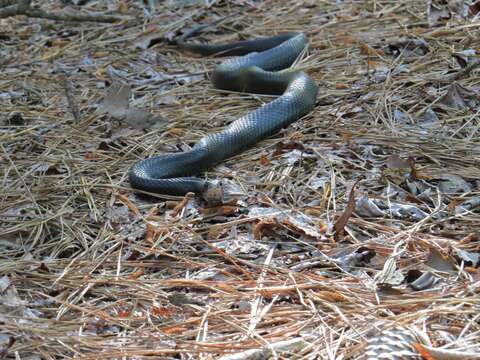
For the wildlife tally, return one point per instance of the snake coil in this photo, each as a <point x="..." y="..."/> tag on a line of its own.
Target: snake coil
<point x="257" y="69"/>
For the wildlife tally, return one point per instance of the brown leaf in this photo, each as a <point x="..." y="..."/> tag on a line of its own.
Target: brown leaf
<point x="342" y="221"/>
<point x="475" y="8"/>
<point x="224" y="210"/>
<point x="141" y="119"/>
<point x="300" y="227"/>
<point x="186" y="199"/>
<point x="122" y="7"/>
<point x="435" y="13"/>
<point x="396" y="162"/>
<point x="366" y="49"/>
<point x="437" y="261"/>
<point x="458" y="97"/>
<point x="328" y="296"/>
<point x="451" y="184"/>
<point x="179" y="299"/>
<point x="284" y="147"/>
<point x="115" y="102"/>
<point x="8" y="345"/>
<point x="458" y="8"/>
<point x="261" y="226"/>
<point x="264" y="160"/>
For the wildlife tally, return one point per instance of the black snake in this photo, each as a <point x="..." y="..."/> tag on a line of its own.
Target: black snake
<point x="257" y="69"/>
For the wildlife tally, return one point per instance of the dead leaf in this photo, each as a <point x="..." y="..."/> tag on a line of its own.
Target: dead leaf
<point x="438" y="262"/>
<point x="365" y="207"/>
<point x="141" y="119"/>
<point x="366" y="49"/>
<point x="284" y="147"/>
<point x="346" y="259"/>
<point x="179" y="299"/>
<point x="475" y="8"/>
<point x="342" y="221"/>
<point x="163" y="311"/>
<point x="465" y="57"/>
<point x="122" y="7"/>
<point x="261" y="226"/>
<point x="116" y="99"/>
<point x="425" y="281"/>
<point x="428" y="120"/>
<point x="468" y="205"/>
<point x="470" y="258"/>
<point x="451" y="184"/>
<point x="327" y="296"/>
<point x="408" y="47"/>
<point x="264" y="160"/>
<point x="4" y="283"/>
<point x="459" y="9"/>
<point x="406" y="211"/>
<point x="116" y="104"/>
<point x="5" y="346"/>
<point x="436" y="12"/>
<point x="459" y="97"/>
<point x="301" y="227"/>
<point x="396" y="162"/>
<point x="390" y="274"/>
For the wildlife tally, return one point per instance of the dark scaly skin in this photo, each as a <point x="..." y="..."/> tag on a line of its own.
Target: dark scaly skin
<point x="256" y="72"/>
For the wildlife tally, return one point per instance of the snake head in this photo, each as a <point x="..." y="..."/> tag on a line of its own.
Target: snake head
<point x="213" y="193"/>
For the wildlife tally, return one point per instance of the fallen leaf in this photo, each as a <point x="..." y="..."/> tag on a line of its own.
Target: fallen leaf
<point x="428" y="120"/>
<point x="342" y="221"/>
<point x="475" y="8"/>
<point x="459" y="97"/>
<point x="115" y="102"/>
<point x="470" y="258"/>
<point x="438" y="262"/>
<point x="179" y="299"/>
<point x="163" y="311"/>
<point x="458" y="8"/>
<point x="408" y="47"/>
<point x="396" y="162"/>
<point x="4" y="283"/>
<point x="261" y="226"/>
<point x="6" y="346"/>
<point x="365" y="207"/>
<point x="425" y="281"/>
<point x="328" y="296"/>
<point x="465" y="57"/>
<point x="436" y="12"/>
<point x="451" y="184"/>
<point x="406" y="211"/>
<point x="366" y="49"/>
<point x="141" y="119"/>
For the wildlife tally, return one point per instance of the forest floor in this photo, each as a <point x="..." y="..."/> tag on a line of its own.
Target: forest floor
<point x="360" y="219"/>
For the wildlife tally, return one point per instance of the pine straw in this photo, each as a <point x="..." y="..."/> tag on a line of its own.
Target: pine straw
<point x="88" y="277"/>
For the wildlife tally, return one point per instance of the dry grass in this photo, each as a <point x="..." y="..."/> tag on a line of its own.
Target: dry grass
<point x="90" y="270"/>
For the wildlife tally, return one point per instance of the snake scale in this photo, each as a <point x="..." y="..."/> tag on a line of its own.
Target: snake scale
<point x="261" y="67"/>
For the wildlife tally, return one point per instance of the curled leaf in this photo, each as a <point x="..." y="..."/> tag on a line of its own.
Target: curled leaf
<point x="342" y="221"/>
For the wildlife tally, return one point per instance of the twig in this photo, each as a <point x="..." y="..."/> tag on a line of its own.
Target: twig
<point x="72" y="105"/>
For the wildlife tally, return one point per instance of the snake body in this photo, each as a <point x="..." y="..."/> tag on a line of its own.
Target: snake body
<point x="256" y="70"/>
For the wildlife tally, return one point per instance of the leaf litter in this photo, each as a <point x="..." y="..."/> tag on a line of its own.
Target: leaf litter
<point x="294" y="261"/>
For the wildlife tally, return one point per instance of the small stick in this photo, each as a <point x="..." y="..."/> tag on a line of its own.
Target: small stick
<point x="72" y="105"/>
